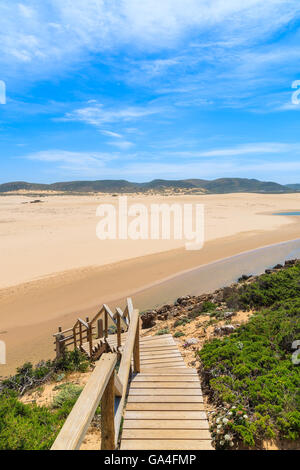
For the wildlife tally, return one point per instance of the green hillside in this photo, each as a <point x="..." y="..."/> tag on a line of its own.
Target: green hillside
<point x="218" y="186"/>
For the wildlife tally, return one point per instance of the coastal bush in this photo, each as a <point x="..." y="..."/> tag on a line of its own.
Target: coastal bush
<point x="208" y="307"/>
<point x="267" y="290"/>
<point x="252" y="369"/>
<point x="164" y="331"/>
<point x="68" y="395"/>
<point x="178" y="334"/>
<point x="26" y="427"/>
<point x="29" y="376"/>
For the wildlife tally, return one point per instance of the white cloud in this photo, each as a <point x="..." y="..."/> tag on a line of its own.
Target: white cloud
<point x="111" y="134"/>
<point x="122" y="144"/>
<point x="96" y="165"/>
<point x="56" y="32"/>
<point x="240" y="150"/>
<point x="97" y="115"/>
<point x="72" y="159"/>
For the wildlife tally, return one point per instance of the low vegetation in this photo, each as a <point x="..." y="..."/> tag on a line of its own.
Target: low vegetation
<point x="28" y="426"/>
<point x="250" y="376"/>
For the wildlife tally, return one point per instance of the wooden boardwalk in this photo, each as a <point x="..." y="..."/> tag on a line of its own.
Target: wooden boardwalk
<point x="164" y="408"/>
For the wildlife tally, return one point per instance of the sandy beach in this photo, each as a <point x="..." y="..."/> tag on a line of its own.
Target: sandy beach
<point x="54" y="268"/>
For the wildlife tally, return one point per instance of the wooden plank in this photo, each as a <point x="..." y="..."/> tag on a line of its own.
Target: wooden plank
<point x="78" y="421"/>
<point x="167" y="355"/>
<point x="164" y="378"/>
<point x="153" y="338"/>
<point x="165" y="424"/>
<point x="160" y="344"/>
<point x="165" y="399"/>
<point x="152" y="365"/>
<point x="158" y="351"/>
<point x="187" y="385"/>
<point x="171" y="372"/>
<point x="167" y="360"/>
<point x="129" y="444"/>
<point x="191" y="434"/>
<point x="165" y="406"/>
<point x="164" y="391"/>
<point x="165" y="415"/>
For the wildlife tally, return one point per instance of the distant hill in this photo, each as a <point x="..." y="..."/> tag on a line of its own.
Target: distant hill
<point x="218" y="186"/>
<point x="296" y="187"/>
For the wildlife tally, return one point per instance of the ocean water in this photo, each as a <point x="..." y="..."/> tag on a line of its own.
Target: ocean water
<point x="215" y="275"/>
<point x="287" y="213"/>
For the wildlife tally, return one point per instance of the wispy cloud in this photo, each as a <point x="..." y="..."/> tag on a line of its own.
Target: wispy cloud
<point x="214" y="164"/>
<point x="112" y="134"/>
<point x="97" y="115"/>
<point x="72" y="160"/>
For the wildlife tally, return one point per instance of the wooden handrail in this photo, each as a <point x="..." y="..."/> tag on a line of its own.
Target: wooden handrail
<point x="106" y="386"/>
<point x="78" y="421"/>
<point x="85" y="324"/>
<point x="87" y="331"/>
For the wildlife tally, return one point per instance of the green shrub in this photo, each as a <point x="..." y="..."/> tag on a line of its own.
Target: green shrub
<point x="26" y="427"/>
<point x="253" y="368"/>
<point x="165" y="331"/>
<point x="208" y="307"/>
<point x="68" y="394"/>
<point x="182" y="321"/>
<point x="267" y="290"/>
<point x="178" y="334"/>
<point x="28" y="376"/>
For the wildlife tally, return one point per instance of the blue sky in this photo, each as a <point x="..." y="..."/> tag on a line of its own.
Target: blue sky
<point x="109" y="89"/>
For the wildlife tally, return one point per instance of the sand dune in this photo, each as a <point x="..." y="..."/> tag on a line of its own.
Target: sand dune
<point x="54" y="268"/>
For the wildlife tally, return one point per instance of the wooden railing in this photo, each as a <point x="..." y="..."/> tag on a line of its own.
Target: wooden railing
<point x="86" y="331"/>
<point x="107" y="387"/>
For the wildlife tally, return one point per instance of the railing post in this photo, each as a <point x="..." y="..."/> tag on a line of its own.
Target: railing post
<point x="136" y="350"/>
<point x="107" y="416"/>
<point x="90" y="338"/>
<point x="59" y="346"/>
<point x="105" y="324"/>
<point x="80" y="334"/>
<point x="119" y="331"/>
<point x="100" y="328"/>
<point x="75" y="337"/>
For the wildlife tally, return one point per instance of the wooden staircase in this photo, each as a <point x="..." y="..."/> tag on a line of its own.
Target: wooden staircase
<point x="165" y="409"/>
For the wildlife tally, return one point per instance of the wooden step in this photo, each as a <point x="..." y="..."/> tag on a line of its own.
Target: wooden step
<point x="165" y="409"/>
<point x="163" y="444"/>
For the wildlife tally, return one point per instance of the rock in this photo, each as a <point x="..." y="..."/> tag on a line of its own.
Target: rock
<point x="191" y="341"/>
<point x="229" y="314"/>
<point x="278" y="266"/>
<point x="164" y="309"/>
<point x="244" y="277"/>
<point x="224" y="329"/>
<point x="291" y="262"/>
<point x="180" y="300"/>
<point x="148" y="319"/>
